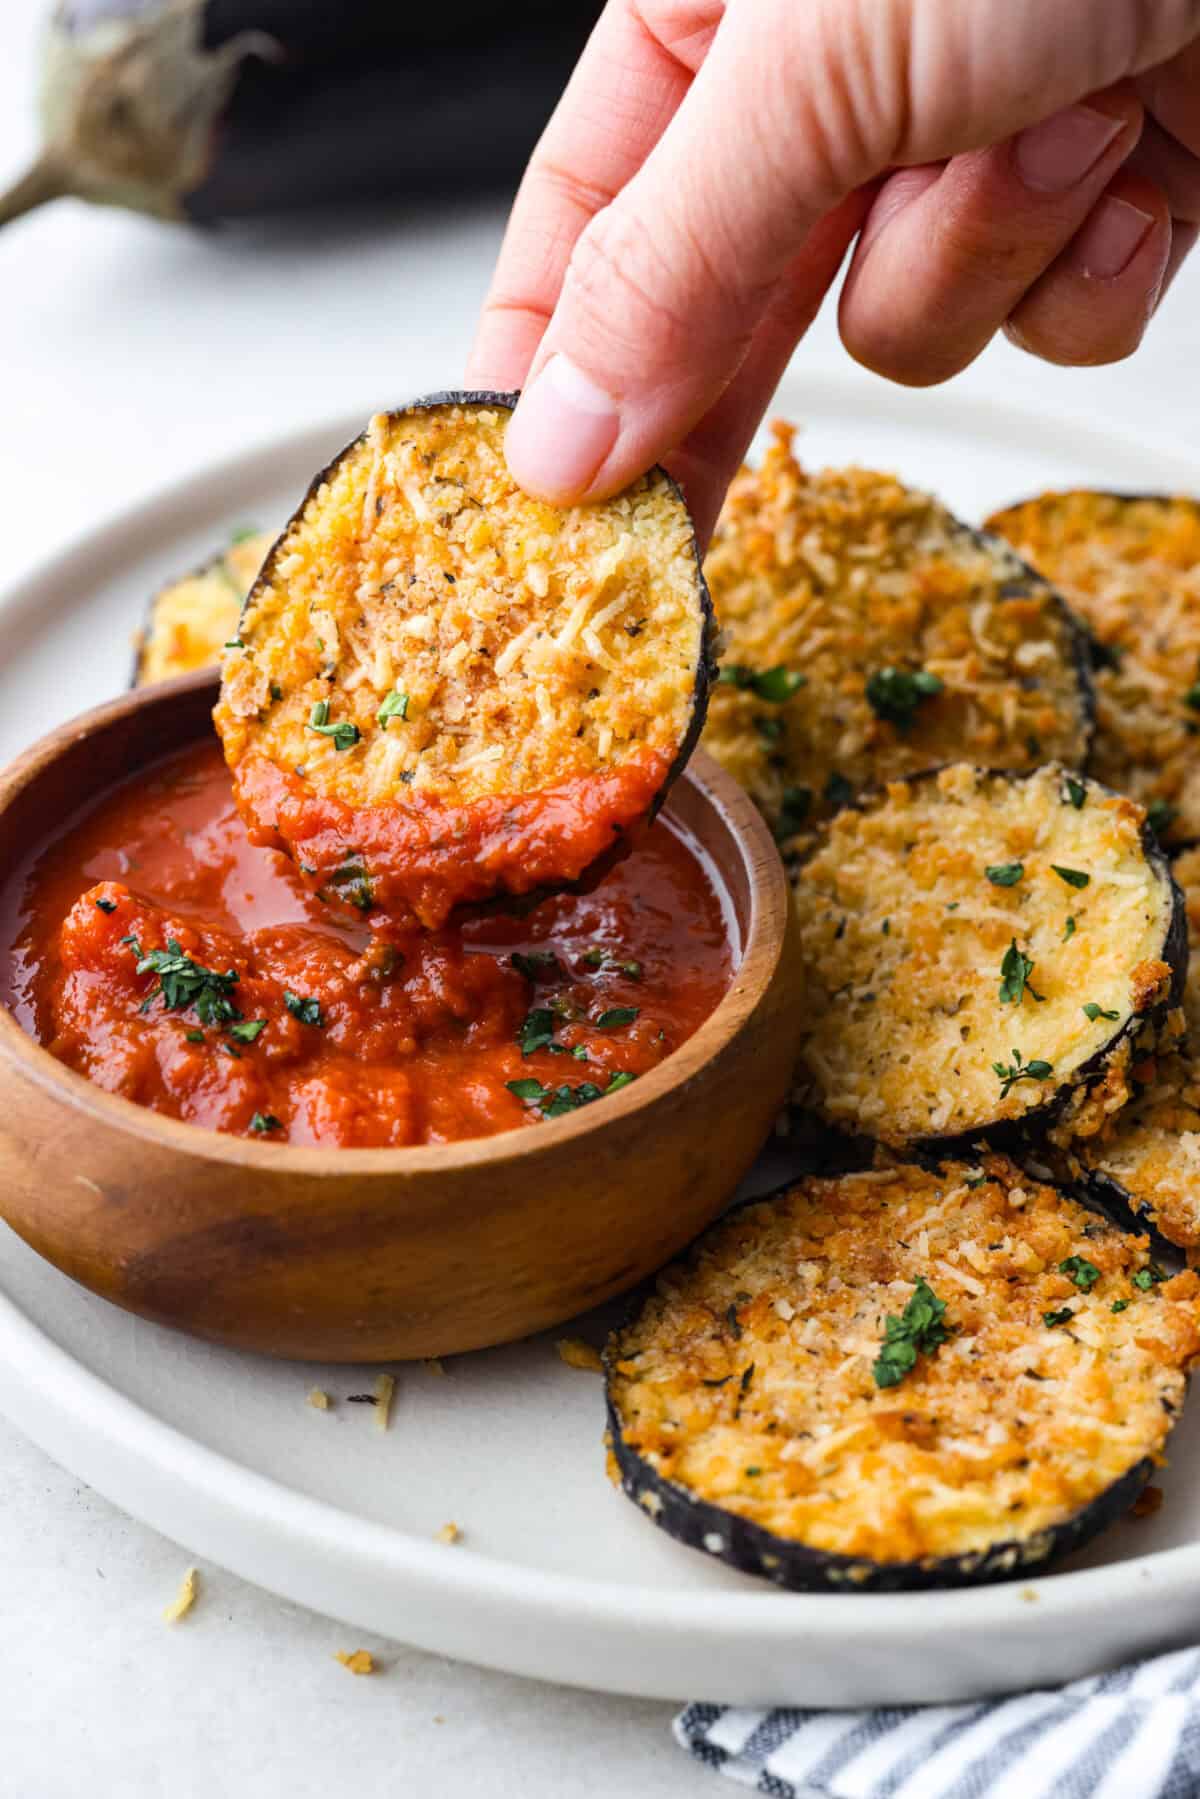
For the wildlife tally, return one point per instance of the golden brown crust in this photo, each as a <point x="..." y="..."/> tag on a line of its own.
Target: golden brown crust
<point x="839" y="575"/>
<point x="192" y="619"/>
<point x="466" y="640"/>
<point x="907" y="939"/>
<point x="1008" y="1429"/>
<point x="1131" y="566"/>
<point x="1151" y="1148"/>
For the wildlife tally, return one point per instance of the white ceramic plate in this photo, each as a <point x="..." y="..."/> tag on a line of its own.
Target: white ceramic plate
<point x="557" y="1576"/>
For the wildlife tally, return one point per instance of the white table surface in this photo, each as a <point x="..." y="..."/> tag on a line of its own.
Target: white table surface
<point x="134" y="353"/>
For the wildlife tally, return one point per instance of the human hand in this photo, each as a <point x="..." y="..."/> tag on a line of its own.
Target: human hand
<point x="1029" y="165"/>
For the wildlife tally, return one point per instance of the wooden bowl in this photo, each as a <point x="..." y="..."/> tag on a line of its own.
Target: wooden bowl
<point x="376" y="1254"/>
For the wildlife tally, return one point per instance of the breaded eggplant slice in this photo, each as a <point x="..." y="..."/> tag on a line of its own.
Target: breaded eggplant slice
<point x="1130" y="564"/>
<point x="446" y="690"/>
<point x="1144" y="1164"/>
<point x="869" y="635"/>
<point x="190" y="621"/>
<point x="763" y="1409"/>
<point x="982" y="953"/>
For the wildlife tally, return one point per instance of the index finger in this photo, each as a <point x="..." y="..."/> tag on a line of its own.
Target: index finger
<point x="624" y="92"/>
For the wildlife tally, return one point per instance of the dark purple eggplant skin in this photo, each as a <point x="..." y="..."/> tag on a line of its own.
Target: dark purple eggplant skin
<point x="1101" y="1193"/>
<point x="752" y="1550"/>
<point x="1030" y="582"/>
<point x="377" y="102"/>
<point x="346" y="102"/>
<point x="1020" y="1137"/>
<point x="706" y="666"/>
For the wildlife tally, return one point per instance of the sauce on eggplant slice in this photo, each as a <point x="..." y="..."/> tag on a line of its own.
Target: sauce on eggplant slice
<point x="456" y="688"/>
<point x="154" y="949"/>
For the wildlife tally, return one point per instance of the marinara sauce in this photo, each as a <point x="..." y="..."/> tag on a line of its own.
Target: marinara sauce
<point x="152" y="947"/>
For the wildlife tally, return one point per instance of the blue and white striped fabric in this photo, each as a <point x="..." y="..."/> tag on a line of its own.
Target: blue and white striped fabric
<point x="1130" y="1734"/>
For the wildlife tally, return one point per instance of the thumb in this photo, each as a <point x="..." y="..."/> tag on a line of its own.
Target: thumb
<point x="793" y="108"/>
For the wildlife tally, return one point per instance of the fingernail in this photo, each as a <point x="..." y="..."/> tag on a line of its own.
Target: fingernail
<point x="1057" y="153"/>
<point x="561" y="432"/>
<point x="1110" y="238"/>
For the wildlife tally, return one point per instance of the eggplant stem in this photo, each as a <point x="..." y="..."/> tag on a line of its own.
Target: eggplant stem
<point x="38" y="185"/>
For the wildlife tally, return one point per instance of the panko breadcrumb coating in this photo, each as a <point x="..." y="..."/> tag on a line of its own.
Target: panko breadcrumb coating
<point x="1151" y="1148"/>
<point x="440" y="678"/>
<point x="753" y="1414"/>
<point x="980" y="948"/>
<point x="1131" y="567"/>
<point x="869" y="635"/>
<point x="192" y="619"/>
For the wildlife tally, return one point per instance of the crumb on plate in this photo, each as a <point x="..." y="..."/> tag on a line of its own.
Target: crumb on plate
<point x="184" y="1600"/>
<point x="578" y="1354"/>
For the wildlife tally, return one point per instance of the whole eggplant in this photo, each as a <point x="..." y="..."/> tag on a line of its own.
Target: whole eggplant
<point x="212" y="109"/>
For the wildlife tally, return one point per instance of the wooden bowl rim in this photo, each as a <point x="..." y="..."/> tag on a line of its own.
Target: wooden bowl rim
<point x="760" y="963"/>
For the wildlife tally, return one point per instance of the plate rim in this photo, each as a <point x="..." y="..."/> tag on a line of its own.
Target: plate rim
<point x="81" y="1419"/>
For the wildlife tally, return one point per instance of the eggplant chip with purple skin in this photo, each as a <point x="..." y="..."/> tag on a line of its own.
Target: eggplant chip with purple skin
<point x="984" y="953"/>
<point x="1130" y="565"/>
<point x="870" y="635"/>
<point x="1143" y="1164"/>
<point x="900" y="1378"/>
<point x="457" y="688"/>
<point x="191" y="620"/>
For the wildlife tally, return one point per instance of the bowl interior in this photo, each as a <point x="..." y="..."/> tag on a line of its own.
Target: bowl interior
<point x="72" y="768"/>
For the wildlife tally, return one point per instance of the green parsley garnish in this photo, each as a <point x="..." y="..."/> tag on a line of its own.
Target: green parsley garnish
<point x="775" y="685"/>
<point x="234" y="643"/>
<point x="1004" y="874"/>
<point x="1051" y="1319"/>
<point x="838" y="791"/>
<point x="195" y="1036"/>
<point x="265" y="1121"/>
<point x="1092" y="1012"/>
<point x="895" y="694"/>
<point x="1070" y="930"/>
<point x="1085" y="1274"/>
<point x="1008" y="1074"/>
<point x="617" y="1081"/>
<point x="308" y="1011"/>
<point x="918" y="1331"/>
<point x="794" y="808"/>
<point x="1192" y="697"/>
<point x="617" y="1016"/>
<point x="395" y="706"/>
<point x="1015" y="971"/>
<point x="769" y="729"/>
<point x="1074" y="877"/>
<point x="527" y="1088"/>
<point x="553" y="1102"/>
<point x="183" y="982"/>
<point x="537" y="1030"/>
<point x="1076" y="793"/>
<point x="602" y="958"/>
<point x="1149" y="1276"/>
<point x="248" y="1030"/>
<point x="243" y="534"/>
<point x="536" y="964"/>
<point x="344" y="736"/>
<point x="1159" y="815"/>
<point x="1119" y="1305"/>
<point x="106" y="905"/>
<point x="354" y="876"/>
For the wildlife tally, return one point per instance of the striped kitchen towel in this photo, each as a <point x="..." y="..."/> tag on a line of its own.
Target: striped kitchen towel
<point x="1131" y="1734"/>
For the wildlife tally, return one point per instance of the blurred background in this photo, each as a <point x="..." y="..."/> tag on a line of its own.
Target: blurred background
<point x="353" y="212"/>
